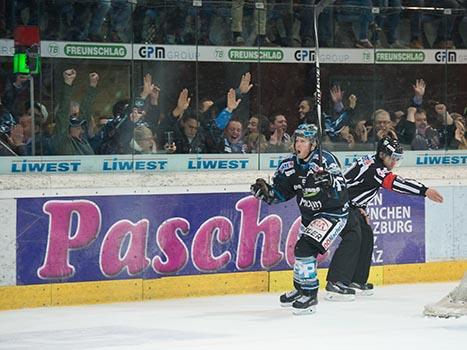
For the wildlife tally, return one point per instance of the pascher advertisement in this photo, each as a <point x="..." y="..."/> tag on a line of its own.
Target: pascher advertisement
<point x="67" y="239"/>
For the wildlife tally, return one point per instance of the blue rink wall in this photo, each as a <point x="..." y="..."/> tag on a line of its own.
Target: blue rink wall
<point x="146" y="236"/>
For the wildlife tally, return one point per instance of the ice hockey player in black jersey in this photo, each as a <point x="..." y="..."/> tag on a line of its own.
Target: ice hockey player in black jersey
<point x="350" y="264"/>
<point x="323" y="202"/>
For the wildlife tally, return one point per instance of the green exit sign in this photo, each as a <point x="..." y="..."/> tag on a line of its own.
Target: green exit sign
<point x="24" y="64"/>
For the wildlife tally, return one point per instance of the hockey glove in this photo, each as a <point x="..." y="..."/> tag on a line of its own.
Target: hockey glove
<point x="262" y="190"/>
<point x="323" y="179"/>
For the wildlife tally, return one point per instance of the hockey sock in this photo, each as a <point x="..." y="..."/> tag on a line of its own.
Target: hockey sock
<point x="305" y="274"/>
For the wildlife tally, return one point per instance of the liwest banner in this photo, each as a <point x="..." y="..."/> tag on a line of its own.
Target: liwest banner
<point x="149" y="236"/>
<point x="162" y="163"/>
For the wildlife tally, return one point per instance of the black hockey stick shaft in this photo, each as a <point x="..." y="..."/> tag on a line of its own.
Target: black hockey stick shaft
<point x="316" y="9"/>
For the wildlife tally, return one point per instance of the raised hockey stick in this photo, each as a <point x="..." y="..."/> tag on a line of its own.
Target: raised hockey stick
<point x="317" y="9"/>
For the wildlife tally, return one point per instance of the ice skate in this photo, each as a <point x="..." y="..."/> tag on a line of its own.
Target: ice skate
<point x="338" y="291"/>
<point x="288" y="298"/>
<point x="446" y="308"/>
<point x="305" y="305"/>
<point x="362" y="289"/>
<point x="452" y="305"/>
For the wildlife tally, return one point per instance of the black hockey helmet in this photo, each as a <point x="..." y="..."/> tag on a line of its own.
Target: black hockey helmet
<point x="390" y="147"/>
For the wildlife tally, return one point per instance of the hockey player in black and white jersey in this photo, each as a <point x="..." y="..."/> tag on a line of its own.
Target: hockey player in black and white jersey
<point x="350" y="264"/>
<point x="323" y="202"/>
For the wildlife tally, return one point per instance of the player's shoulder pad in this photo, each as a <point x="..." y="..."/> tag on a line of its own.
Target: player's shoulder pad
<point x="331" y="162"/>
<point x="330" y="158"/>
<point x="286" y="165"/>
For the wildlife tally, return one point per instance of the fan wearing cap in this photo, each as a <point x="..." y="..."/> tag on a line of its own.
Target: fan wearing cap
<point x="350" y="265"/>
<point x="315" y="180"/>
<point x="69" y="136"/>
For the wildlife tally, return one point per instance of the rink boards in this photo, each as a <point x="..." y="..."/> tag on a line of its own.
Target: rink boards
<point x="61" y="294"/>
<point x="64" y="246"/>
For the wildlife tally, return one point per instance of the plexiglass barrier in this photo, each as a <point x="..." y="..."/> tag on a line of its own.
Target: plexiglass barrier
<point x="164" y="85"/>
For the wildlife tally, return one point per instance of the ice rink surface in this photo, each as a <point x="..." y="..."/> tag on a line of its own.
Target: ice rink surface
<point x="390" y="319"/>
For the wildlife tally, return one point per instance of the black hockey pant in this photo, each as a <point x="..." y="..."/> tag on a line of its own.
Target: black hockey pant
<point x="352" y="260"/>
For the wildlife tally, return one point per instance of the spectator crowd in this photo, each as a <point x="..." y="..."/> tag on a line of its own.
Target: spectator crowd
<point x="211" y="125"/>
<point x="342" y="23"/>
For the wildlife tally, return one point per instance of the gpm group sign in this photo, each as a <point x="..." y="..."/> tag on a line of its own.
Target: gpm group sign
<point x="120" y="237"/>
<point x="446" y="56"/>
<point x="308" y="55"/>
<point x="168" y="53"/>
<point x="155" y="52"/>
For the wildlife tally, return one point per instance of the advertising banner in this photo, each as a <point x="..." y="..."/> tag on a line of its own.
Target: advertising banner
<point x="148" y="236"/>
<point x="162" y="163"/>
<point x="191" y="53"/>
<point x="157" y="163"/>
<point x="85" y="50"/>
<point x="398" y="223"/>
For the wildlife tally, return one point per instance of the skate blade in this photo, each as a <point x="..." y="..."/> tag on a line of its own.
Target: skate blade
<point x="432" y="315"/>
<point x="447" y="314"/>
<point x="330" y="296"/>
<point x="364" y="293"/>
<point x="307" y="311"/>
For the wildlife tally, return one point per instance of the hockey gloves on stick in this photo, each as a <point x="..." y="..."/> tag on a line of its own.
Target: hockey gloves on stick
<point x="262" y="190"/>
<point x="323" y="179"/>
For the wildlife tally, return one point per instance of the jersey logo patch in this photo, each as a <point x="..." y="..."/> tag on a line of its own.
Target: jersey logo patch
<point x="311" y="192"/>
<point x="318" y="228"/>
<point x="286" y="166"/>
<point x="313" y="205"/>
